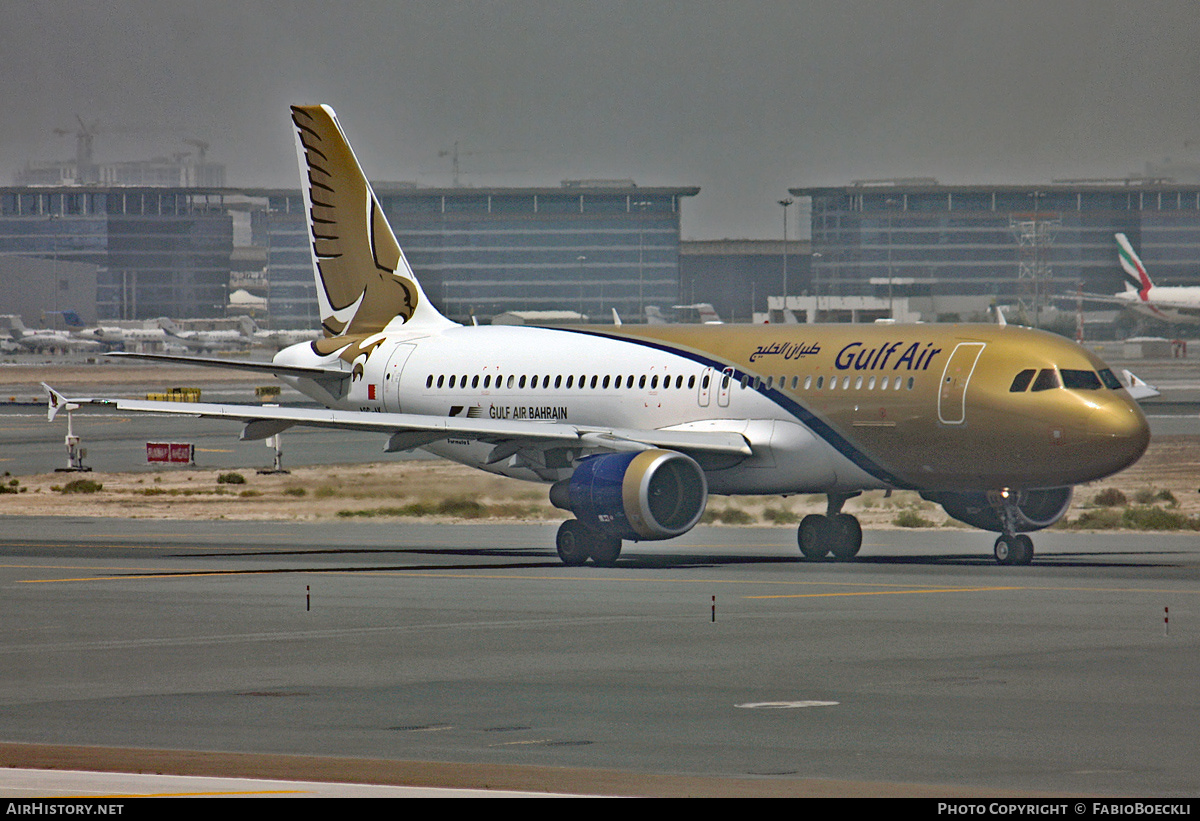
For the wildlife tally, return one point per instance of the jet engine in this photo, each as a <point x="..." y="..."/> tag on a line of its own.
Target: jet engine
<point x="647" y="495"/>
<point x="1035" y="509"/>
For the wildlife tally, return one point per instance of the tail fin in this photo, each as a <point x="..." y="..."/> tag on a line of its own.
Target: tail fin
<point x="1136" y="278"/>
<point x="363" y="280"/>
<point x="708" y="314"/>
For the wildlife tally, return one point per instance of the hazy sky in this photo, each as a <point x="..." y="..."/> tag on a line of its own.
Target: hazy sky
<point x="744" y="99"/>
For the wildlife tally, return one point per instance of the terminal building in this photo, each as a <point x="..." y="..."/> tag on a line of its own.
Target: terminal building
<point x="587" y="246"/>
<point x="962" y="247"/>
<point x="592" y="246"/>
<point x="156" y="251"/>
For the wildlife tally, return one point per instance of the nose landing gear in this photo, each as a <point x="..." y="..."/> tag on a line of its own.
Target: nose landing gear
<point x="1014" y="549"/>
<point x="1011" y="547"/>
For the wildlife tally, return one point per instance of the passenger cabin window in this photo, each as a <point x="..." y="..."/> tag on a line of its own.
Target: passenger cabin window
<point x="1022" y="380"/>
<point x="1047" y="379"/>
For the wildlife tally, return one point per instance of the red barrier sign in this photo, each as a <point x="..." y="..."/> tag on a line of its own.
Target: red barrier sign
<point x="171" y="452"/>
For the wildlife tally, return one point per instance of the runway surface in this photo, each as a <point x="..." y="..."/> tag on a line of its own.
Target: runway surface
<point x="921" y="663"/>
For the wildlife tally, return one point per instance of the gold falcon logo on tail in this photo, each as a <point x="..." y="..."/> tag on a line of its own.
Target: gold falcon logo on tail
<point x="363" y="280"/>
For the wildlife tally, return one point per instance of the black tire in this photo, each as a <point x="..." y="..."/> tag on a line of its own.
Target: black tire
<point x="573" y="543"/>
<point x="847" y="537"/>
<point x="1021" y="550"/>
<point x="605" y="549"/>
<point x="813" y="536"/>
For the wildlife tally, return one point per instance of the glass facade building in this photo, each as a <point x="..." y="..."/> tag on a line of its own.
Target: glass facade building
<point x="157" y="251"/>
<point x="974" y="240"/>
<point x="480" y="252"/>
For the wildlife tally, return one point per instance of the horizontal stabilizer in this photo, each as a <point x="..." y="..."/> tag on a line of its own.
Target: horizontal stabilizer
<point x="321" y="375"/>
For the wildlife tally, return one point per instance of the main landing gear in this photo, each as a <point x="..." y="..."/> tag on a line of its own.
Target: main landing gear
<point x="835" y="533"/>
<point x="577" y="543"/>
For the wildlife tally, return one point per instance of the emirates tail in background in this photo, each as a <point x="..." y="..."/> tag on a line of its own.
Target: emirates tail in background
<point x="1175" y="303"/>
<point x="1136" y="278"/>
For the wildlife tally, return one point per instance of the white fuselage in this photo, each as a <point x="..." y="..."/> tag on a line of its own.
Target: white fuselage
<point x="535" y="374"/>
<point x="1172" y="303"/>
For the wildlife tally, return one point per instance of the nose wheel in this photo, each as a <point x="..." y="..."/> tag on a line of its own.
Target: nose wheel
<point x="1015" y="549"/>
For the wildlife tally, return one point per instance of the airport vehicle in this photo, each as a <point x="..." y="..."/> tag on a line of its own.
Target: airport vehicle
<point x="634" y="426"/>
<point x="1173" y="303"/>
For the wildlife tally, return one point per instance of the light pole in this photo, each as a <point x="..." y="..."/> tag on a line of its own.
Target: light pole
<point x="816" y="275"/>
<point x="891" y="204"/>
<point x="581" y="259"/>
<point x="641" y="206"/>
<point x="785" y="203"/>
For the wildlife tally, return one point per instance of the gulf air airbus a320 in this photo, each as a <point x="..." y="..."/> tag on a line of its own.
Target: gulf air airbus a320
<point x="633" y="428"/>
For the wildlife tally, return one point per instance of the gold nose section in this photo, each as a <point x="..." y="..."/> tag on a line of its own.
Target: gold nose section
<point x="1119" y="433"/>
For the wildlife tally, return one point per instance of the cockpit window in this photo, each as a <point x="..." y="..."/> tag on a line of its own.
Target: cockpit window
<point x="1047" y="379"/>
<point x="1022" y="380"/>
<point x="1080" y="380"/>
<point x="1110" y="380"/>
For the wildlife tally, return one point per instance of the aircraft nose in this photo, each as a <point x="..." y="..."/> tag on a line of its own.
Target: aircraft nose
<point x="1119" y="432"/>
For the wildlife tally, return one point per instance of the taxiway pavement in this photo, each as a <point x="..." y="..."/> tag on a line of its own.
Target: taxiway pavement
<point x="920" y="663"/>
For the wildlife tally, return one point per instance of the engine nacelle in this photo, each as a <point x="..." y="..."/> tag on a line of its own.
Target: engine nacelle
<point x="1035" y="508"/>
<point x="646" y="495"/>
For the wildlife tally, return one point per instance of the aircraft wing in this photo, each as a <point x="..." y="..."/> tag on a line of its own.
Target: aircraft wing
<point x="409" y="430"/>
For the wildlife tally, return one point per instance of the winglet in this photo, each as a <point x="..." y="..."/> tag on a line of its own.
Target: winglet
<point x="1138" y="388"/>
<point x="57" y="403"/>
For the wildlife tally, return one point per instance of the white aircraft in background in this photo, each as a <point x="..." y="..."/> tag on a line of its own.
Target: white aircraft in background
<point x="1175" y="303"/>
<point x="243" y="337"/>
<point x="113" y="335"/>
<point x="654" y="315"/>
<point x="44" y="340"/>
<point x="707" y="313"/>
<point x="283" y="338"/>
<point x="633" y="427"/>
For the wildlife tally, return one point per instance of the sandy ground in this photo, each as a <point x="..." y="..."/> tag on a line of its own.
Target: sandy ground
<point x="461" y="493"/>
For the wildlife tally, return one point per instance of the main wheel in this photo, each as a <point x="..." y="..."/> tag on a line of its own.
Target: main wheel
<point x="847" y="536"/>
<point x="1003" y="550"/>
<point x="605" y="549"/>
<point x="573" y="543"/>
<point x="813" y="536"/>
<point x="1020" y="549"/>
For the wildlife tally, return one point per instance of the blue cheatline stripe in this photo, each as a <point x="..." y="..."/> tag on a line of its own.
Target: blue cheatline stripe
<point x="814" y="423"/>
